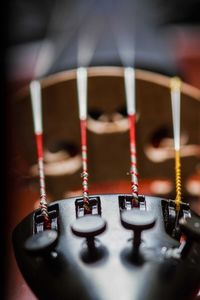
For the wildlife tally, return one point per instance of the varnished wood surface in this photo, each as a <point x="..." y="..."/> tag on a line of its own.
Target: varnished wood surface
<point x="106" y="94"/>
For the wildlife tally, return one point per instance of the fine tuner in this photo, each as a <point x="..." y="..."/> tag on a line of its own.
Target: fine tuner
<point x="137" y="221"/>
<point x="112" y="246"/>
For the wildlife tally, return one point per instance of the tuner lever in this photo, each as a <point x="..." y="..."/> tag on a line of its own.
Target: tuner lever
<point x="137" y="221"/>
<point x="190" y="227"/>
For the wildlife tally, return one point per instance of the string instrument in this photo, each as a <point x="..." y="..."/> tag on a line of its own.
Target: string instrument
<point x="110" y="246"/>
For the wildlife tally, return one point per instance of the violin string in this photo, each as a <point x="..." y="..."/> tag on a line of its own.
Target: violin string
<point x="35" y="91"/>
<point x="129" y="77"/>
<point x="82" y="101"/>
<point x="176" y="105"/>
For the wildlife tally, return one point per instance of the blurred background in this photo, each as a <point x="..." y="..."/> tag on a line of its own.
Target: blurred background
<point x="64" y="34"/>
<point x="48" y="39"/>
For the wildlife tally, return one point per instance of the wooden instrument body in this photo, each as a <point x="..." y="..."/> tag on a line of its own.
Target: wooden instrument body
<point x="116" y="275"/>
<point x="106" y="96"/>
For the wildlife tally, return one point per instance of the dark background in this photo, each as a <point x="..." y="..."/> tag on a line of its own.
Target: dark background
<point x="154" y="26"/>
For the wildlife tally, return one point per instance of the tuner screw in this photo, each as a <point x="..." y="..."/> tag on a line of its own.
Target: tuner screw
<point x="137" y="221"/>
<point x="88" y="227"/>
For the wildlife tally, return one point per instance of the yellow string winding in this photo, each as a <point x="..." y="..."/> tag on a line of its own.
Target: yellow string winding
<point x="178" y="180"/>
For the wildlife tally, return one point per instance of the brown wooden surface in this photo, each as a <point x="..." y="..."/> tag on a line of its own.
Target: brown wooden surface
<point x="106" y="94"/>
